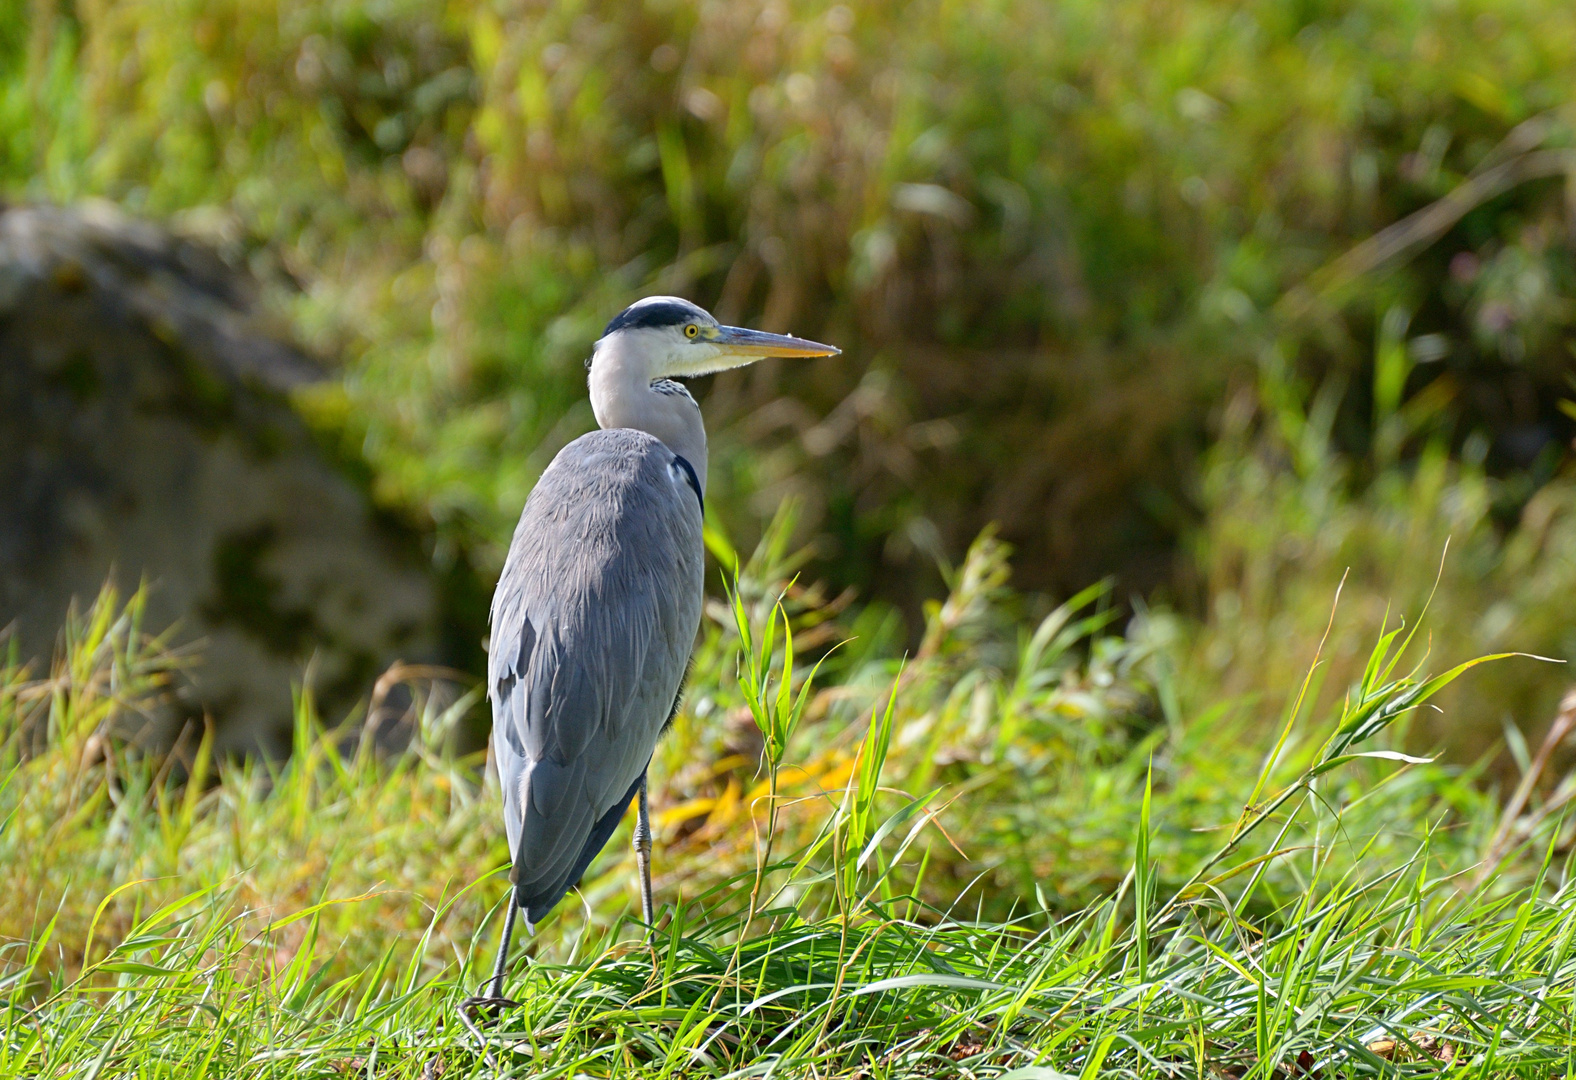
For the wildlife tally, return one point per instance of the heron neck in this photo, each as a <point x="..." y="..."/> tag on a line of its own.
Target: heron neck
<point x="622" y="397"/>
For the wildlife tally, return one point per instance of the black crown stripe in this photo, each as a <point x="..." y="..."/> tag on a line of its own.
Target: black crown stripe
<point x="663" y="313"/>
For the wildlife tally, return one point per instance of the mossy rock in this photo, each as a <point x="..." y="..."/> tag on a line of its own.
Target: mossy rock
<point x="146" y="431"/>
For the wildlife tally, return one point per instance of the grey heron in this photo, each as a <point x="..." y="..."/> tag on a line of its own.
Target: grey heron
<point x="599" y="603"/>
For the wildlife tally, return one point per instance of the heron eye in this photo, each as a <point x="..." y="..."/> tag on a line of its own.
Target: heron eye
<point x="691" y="330"/>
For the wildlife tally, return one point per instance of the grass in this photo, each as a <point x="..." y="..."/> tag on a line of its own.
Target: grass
<point x="1398" y="976"/>
<point x="170" y="915"/>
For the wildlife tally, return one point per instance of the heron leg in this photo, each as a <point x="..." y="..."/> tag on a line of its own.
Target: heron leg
<point x="643" y="854"/>
<point x="495" y="986"/>
<point x="493" y="997"/>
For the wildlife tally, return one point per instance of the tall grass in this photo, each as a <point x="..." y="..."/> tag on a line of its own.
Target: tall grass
<point x="323" y="917"/>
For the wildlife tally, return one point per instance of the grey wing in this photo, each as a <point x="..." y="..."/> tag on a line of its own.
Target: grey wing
<point x="593" y="622"/>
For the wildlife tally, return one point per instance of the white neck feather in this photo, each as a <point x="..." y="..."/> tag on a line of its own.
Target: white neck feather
<point x="622" y="397"/>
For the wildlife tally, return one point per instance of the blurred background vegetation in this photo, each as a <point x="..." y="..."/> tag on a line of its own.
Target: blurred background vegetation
<point x="1139" y="282"/>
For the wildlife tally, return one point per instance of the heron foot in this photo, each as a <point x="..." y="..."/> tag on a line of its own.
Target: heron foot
<point x="484" y="1010"/>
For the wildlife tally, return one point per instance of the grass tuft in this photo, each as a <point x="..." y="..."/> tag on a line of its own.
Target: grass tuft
<point x="168" y="914"/>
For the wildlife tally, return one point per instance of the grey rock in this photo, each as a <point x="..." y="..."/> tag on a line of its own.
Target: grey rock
<point x="145" y="430"/>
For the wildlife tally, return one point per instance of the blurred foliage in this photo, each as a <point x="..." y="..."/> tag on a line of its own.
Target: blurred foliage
<point x="1067" y="247"/>
<point x="1285" y="527"/>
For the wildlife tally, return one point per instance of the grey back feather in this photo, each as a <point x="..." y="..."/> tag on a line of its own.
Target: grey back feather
<point x="593" y="621"/>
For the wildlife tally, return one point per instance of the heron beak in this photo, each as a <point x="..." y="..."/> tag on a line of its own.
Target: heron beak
<point x="755" y="344"/>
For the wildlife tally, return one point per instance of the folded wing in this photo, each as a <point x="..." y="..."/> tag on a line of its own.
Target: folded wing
<point x="592" y="626"/>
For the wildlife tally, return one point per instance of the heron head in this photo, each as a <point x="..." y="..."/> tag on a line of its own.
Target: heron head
<point x="679" y="339"/>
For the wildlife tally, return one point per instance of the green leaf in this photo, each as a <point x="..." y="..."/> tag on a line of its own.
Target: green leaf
<point x="1384" y="755"/>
